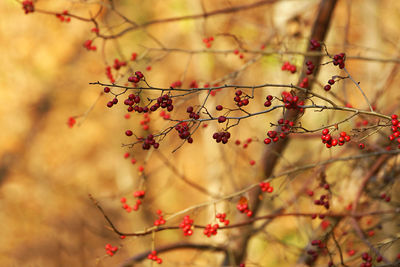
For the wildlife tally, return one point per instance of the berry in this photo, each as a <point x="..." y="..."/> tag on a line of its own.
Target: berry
<point x="221" y="119"/>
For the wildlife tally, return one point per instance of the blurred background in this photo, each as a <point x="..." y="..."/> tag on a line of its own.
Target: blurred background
<point x="49" y="167"/>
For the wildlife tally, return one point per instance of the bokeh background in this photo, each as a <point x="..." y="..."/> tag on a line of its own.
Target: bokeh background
<point x="47" y="169"/>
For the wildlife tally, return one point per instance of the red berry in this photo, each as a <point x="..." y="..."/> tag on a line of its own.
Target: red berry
<point x="128" y="133"/>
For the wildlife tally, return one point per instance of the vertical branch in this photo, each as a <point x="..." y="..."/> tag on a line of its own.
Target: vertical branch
<point x="271" y="153"/>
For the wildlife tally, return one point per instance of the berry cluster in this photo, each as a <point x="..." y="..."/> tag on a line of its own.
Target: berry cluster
<point x="109" y="74"/>
<point x="176" y="84"/>
<point x="208" y="41"/>
<point x="236" y="52"/>
<point x="243" y="207"/>
<point x="164" y="101"/>
<point x="291" y="101"/>
<point x="241" y="100"/>
<point x="268" y="102"/>
<point x="222" y="137"/>
<point x="192" y="114"/>
<point x="338" y="60"/>
<point x="367" y="260"/>
<point x="314" y="44"/>
<point x="304" y="83"/>
<point x="315" y="252"/>
<point x="186" y="226"/>
<point x="127" y="155"/>
<point x="322" y="201"/>
<point x="135" y="79"/>
<point x="193" y="84"/>
<point x="289" y="67"/>
<point x="118" y="64"/>
<point x="62" y="17"/>
<point x="149" y="141"/>
<point x="183" y="130"/>
<point x="160" y="220"/>
<point x="266" y="187"/>
<point x="330" y="142"/>
<point x="395" y="130"/>
<point x="113" y="102"/>
<point x="272" y="136"/>
<point x="28" y="7"/>
<point x="110" y="250"/>
<point x="164" y="115"/>
<point x="211" y="230"/>
<point x="153" y="256"/>
<point x="385" y="197"/>
<point x="285" y="126"/>
<point x="310" y="67"/>
<point x="139" y="195"/>
<point x="245" y="143"/>
<point x="328" y="86"/>
<point x="221" y="217"/>
<point x="71" y="122"/>
<point x="88" y="45"/>
<point x="145" y="121"/>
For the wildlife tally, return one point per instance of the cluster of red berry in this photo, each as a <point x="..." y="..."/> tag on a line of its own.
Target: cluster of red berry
<point x="186" y="225"/>
<point x="149" y="141"/>
<point x="183" y="130"/>
<point x="160" y="220"/>
<point x="164" y="115"/>
<point x="192" y="114"/>
<point x="110" y="250"/>
<point x="62" y="17"/>
<point x="222" y="137"/>
<point x="164" y="101"/>
<point x="243" y="207"/>
<point x="330" y="142"/>
<point x="28" y="7"/>
<point x="395" y="130"/>
<point x="131" y="102"/>
<point x="314" y="253"/>
<point x="71" y="122"/>
<point x="385" y="197"/>
<point x="291" y="101"/>
<point x="328" y="86"/>
<point x="269" y="101"/>
<point x="310" y="67"/>
<point x="109" y="74"/>
<point x="240" y="99"/>
<point x="338" y="60"/>
<point x="289" y="67"/>
<point x="314" y="44"/>
<point x="266" y="187"/>
<point x="222" y="218"/>
<point x="135" y="79"/>
<point x="304" y="83"/>
<point x="211" y="230"/>
<point x="236" y="52"/>
<point x="176" y="84"/>
<point x="208" y="41"/>
<point x="118" y="64"/>
<point x="153" y="256"/>
<point x="367" y="260"/>
<point x="138" y="195"/>
<point x="146" y="119"/>
<point x="88" y="45"/>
